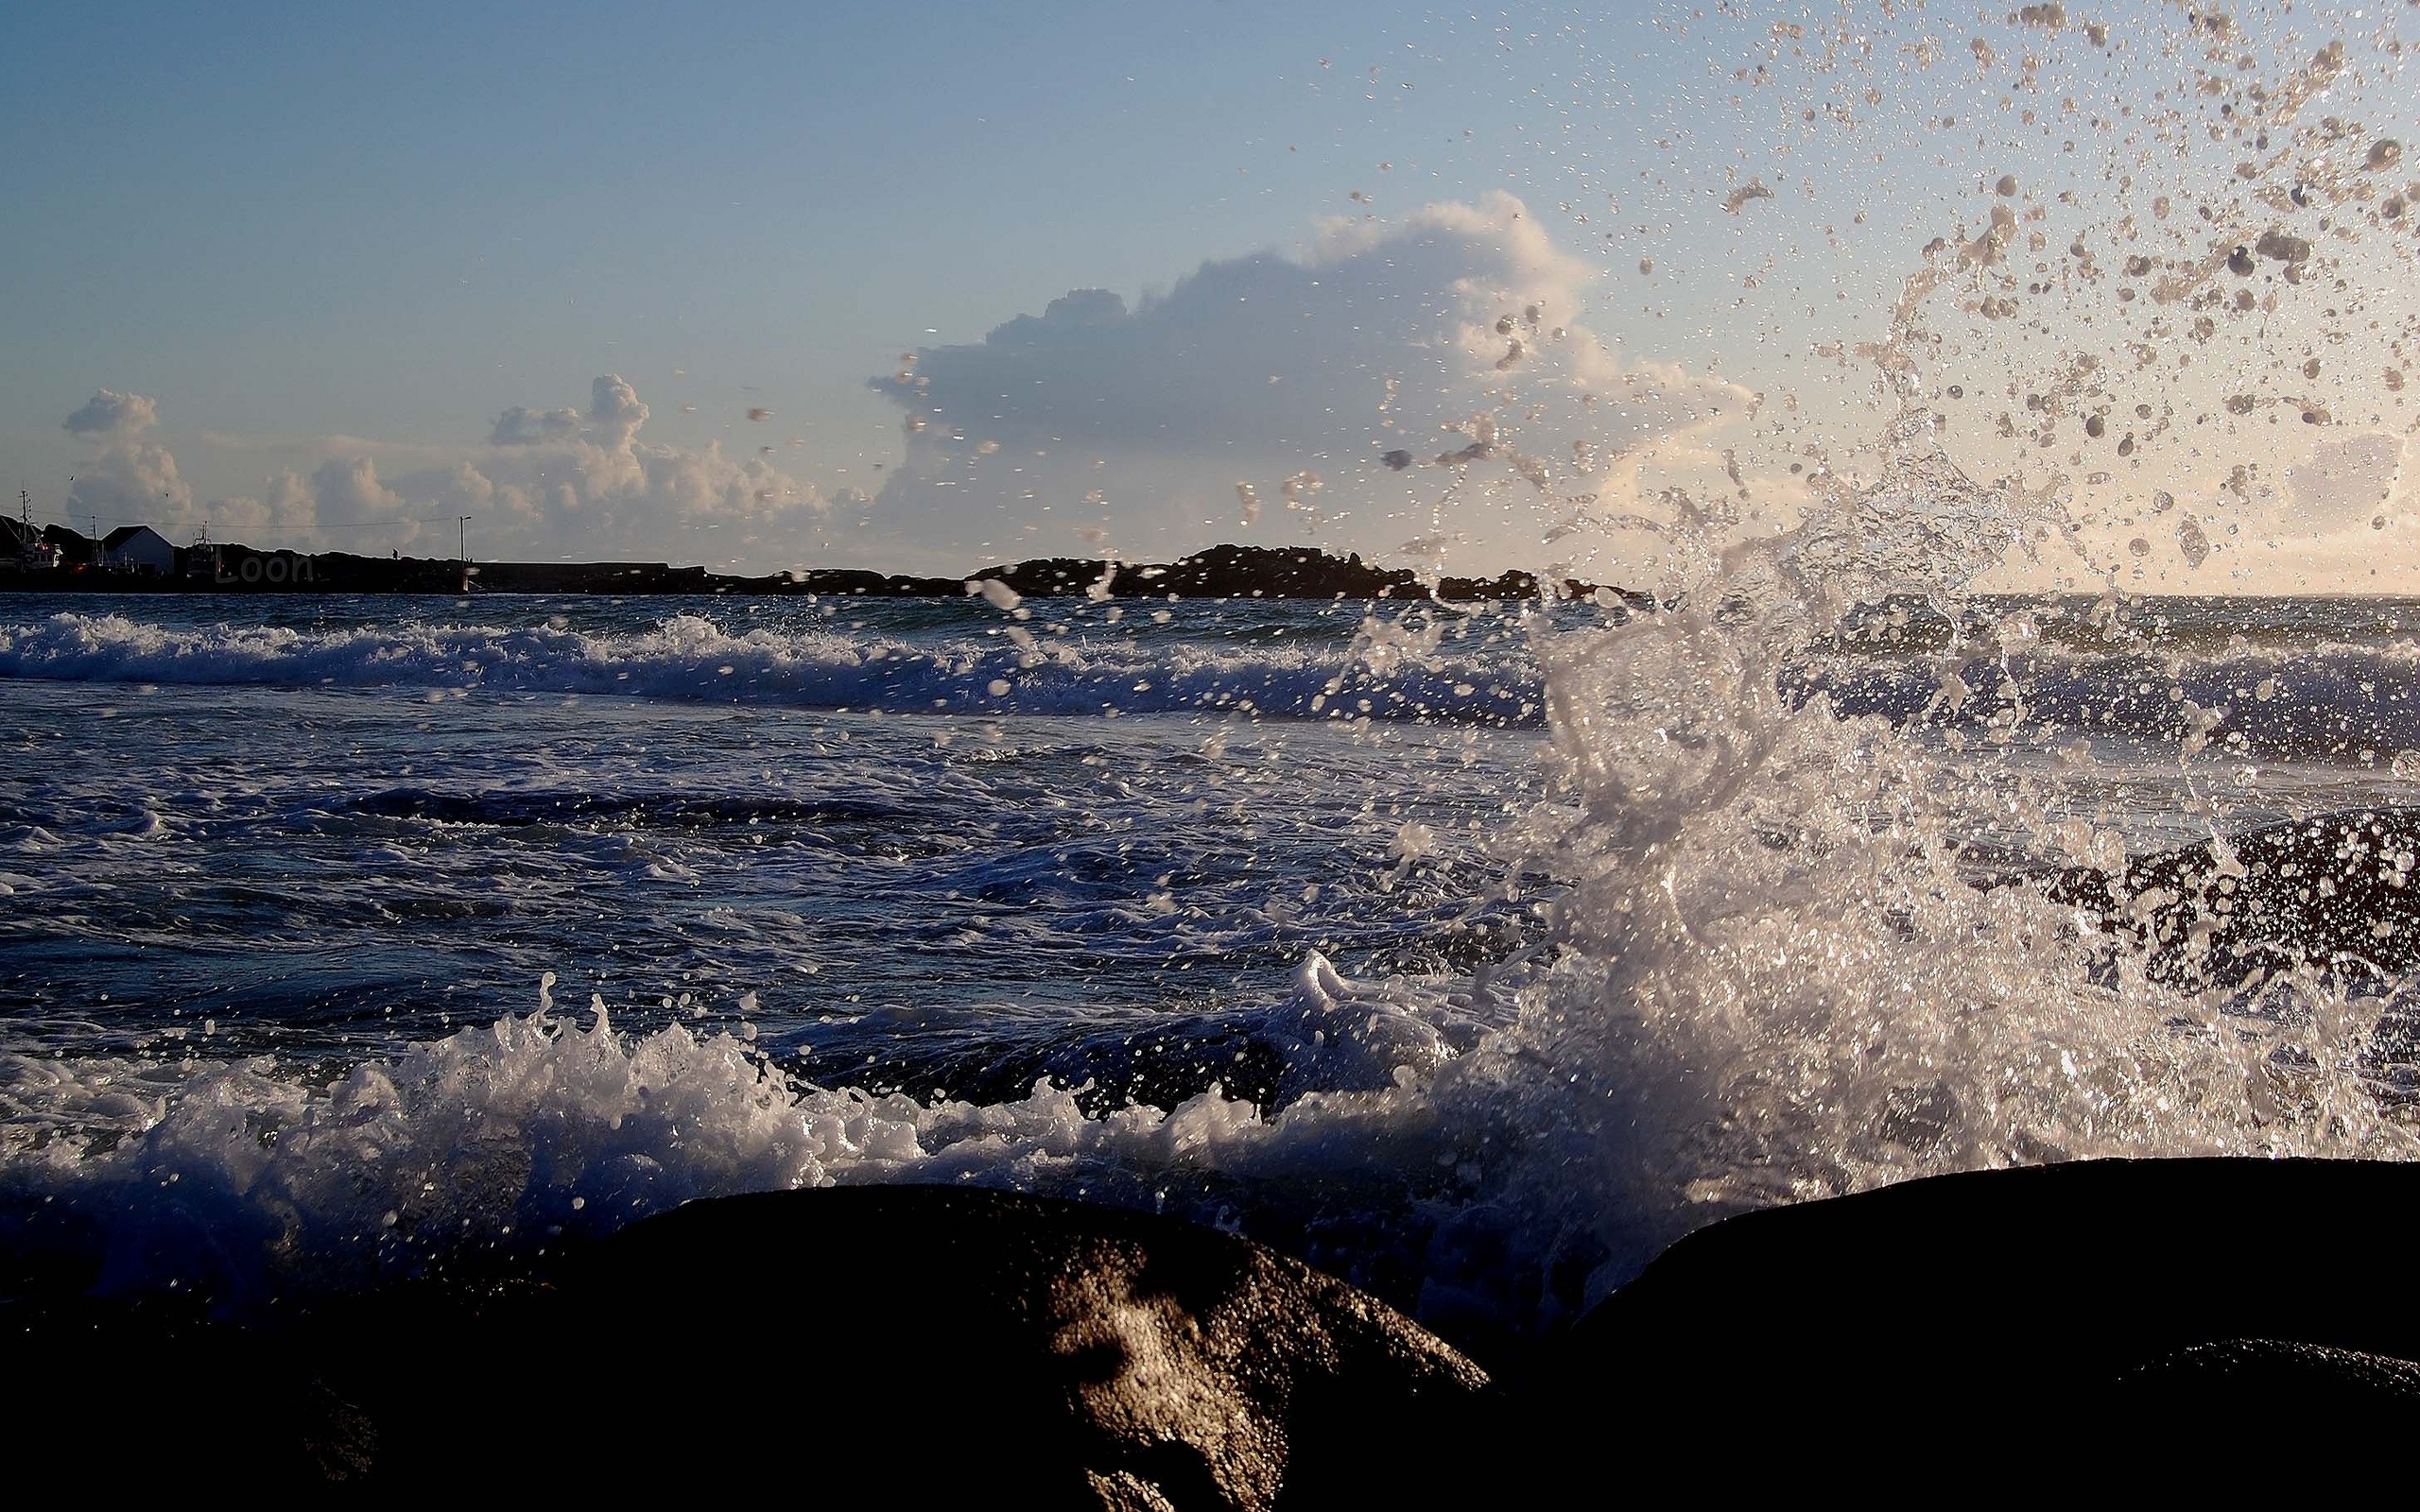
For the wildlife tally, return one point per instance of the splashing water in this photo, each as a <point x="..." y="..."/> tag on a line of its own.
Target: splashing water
<point x="1780" y="982"/>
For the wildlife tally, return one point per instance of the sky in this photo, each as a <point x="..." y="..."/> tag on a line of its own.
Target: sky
<point x="1467" y="289"/>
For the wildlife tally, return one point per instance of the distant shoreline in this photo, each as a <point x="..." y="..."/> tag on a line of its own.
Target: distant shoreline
<point x="1219" y="572"/>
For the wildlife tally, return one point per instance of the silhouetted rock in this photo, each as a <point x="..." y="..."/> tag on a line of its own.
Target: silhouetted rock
<point x="931" y="1346"/>
<point x="1995" y="1313"/>
<point x="1260" y="572"/>
<point x="2332" y="1392"/>
<point x="1220" y="572"/>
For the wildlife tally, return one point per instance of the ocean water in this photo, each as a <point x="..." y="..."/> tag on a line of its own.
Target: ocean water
<point x="1473" y="952"/>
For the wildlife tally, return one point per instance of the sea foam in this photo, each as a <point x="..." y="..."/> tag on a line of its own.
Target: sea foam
<point x="690" y="658"/>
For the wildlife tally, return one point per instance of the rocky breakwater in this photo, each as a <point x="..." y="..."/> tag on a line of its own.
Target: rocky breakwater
<point x="1262" y="572"/>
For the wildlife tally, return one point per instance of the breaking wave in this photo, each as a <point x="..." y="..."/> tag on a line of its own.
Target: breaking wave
<point x="246" y="1180"/>
<point x="689" y="657"/>
<point x="2337" y="703"/>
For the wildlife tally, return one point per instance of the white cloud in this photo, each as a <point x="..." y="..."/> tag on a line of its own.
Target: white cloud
<point x="288" y="517"/>
<point x="1431" y="377"/>
<point x="111" y="414"/>
<point x="2344" y="482"/>
<point x="523" y="426"/>
<point x="547" y="486"/>
<point x="127" y="480"/>
<point x="1427" y="386"/>
<point x="557" y="483"/>
<point x="613" y="405"/>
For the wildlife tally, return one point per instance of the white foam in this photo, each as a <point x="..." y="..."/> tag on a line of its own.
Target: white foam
<point x="690" y="658"/>
<point x="250" y="1179"/>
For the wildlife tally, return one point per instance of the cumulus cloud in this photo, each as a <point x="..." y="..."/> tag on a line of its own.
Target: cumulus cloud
<point x="130" y="482"/>
<point x="557" y="483"/>
<point x="1431" y="377"/>
<point x="613" y="405"/>
<point x="287" y="514"/>
<point x="547" y="484"/>
<point x="111" y="414"/>
<point x="127" y="480"/>
<point x="616" y="412"/>
<point x="524" y="426"/>
<point x="2344" y="482"/>
<point x="1427" y="387"/>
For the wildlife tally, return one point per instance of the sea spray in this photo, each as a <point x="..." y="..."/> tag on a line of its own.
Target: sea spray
<point x="1780" y="978"/>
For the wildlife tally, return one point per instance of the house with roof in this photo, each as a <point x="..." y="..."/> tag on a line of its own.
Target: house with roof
<point x="138" y="549"/>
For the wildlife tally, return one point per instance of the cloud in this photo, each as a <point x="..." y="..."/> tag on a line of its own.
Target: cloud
<point x="287" y="517"/>
<point x="2344" y="482"/>
<point x="1431" y="377"/>
<point x="523" y="426"/>
<point x="1427" y="387"/>
<point x="554" y="483"/>
<point x="111" y="414"/>
<point x="557" y="483"/>
<point x="614" y="414"/>
<point x="127" y="480"/>
<point x="613" y="405"/>
<point x="547" y="484"/>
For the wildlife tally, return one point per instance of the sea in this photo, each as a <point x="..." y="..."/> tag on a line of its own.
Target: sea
<point x="1472" y="952"/>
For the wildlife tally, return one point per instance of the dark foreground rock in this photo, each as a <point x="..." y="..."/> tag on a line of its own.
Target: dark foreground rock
<point x="2344" y="1388"/>
<point x="930" y="1345"/>
<point x="2182" y="1323"/>
<point x="2339" y="891"/>
<point x="2004" y="1315"/>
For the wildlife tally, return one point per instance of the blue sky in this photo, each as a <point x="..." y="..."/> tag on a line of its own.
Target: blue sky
<point x="294" y="220"/>
<point x="331" y="247"/>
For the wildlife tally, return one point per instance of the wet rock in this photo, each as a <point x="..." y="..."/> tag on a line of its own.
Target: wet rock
<point x="1087" y="1355"/>
<point x="934" y="1346"/>
<point x="2339" y="891"/>
<point x="2332" y="1391"/>
<point x="1963" y="1315"/>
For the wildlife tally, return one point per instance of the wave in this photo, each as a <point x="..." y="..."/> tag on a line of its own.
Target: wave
<point x="2357" y="704"/>
<point x="247" y="1181"/>
<point x="689" y="657"/>
<point x="1763" y="977"/>
<point x="2337" y="703"/>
